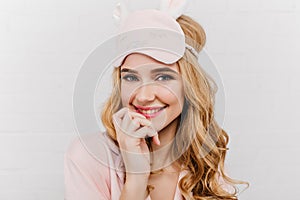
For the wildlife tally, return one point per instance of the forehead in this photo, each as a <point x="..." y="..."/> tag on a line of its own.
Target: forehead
<point x="135" y="60"/>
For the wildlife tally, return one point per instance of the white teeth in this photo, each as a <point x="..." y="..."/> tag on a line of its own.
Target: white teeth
<point x="149" y="111"/>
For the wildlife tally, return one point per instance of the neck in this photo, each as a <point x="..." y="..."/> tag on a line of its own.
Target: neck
<point x="166" y="135"/>
<point x="161" y="154"/>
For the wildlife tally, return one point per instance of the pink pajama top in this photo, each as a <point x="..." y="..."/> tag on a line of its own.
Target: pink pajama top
<point x="87" y="172"/>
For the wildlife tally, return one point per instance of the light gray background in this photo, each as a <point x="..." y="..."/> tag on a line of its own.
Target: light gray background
<point x="255" y="44"/>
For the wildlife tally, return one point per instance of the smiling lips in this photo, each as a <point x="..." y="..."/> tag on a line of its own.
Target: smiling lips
<point x="149" y="112"/>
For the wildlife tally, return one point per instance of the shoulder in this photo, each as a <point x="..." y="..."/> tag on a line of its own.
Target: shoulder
<point x="90" y="151"/>
<point x="87" y="170"/>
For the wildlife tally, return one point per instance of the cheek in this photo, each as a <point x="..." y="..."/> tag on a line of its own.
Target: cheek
<point x="126" y="93"/>
<point x="125" y="98"/>
<point x="172" y="95"/>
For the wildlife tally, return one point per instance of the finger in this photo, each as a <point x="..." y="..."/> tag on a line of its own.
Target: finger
<point x="135" y="114"/>
<point x="144" y="132"/>
<point x="129" y="124"/>
<point x="125" y="123"/>
<point x="137" y="123"/>
<point x="144" y="122"/>
<point x="156" y="140"/>
<point x="119" y="115"/>
<point x="134" y="125"/>
<point x="128" y="116"/>
<point x="132" y="121"/>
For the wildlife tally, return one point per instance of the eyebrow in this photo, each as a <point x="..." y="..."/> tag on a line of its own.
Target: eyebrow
<point x="163" y="69"/>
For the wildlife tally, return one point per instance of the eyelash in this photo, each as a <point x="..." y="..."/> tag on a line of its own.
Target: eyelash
<point x="135" y="78"/>
<point x="126" y="78"/>
<point x="166" y="77"/>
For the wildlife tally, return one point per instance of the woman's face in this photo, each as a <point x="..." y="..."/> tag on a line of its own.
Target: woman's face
<point x="152" y="89"/>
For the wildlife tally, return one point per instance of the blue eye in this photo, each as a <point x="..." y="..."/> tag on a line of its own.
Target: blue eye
<point x="164" y="78"/>
<point x="130" y="78"/>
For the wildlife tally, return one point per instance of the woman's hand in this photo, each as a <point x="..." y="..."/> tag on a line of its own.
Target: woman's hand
<point x="132" y="128"/>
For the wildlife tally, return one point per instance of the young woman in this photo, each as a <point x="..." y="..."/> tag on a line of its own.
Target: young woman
<point x="161" y="139"/>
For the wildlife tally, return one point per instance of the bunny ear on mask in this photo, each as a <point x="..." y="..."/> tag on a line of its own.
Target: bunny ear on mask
<point x="174" y="8"/>
<point x="125" y="7"/>
<point x="120" y="13"/>
<point x="135" y="5"/>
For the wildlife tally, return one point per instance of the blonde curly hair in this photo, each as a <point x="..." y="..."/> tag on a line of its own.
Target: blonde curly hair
<point x="204" y="142"/>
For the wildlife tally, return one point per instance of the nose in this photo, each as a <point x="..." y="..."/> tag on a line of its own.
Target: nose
<point x="146" y="93"/>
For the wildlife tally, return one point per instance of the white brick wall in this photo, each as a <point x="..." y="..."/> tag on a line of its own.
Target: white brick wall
<point x="255" y="44"/>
